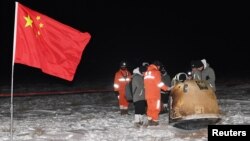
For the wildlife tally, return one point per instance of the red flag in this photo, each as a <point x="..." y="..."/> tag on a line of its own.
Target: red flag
<point x="47" y="44"/>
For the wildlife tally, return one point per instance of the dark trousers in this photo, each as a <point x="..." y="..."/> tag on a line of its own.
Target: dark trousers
<point x="165" y="97"/>
<point x="140" y="107"/>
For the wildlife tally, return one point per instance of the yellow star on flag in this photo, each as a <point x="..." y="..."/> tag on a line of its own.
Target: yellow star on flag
<point x="38" y="18"/>
<point x="41" y="25"/>
<point x="28" y="21"/>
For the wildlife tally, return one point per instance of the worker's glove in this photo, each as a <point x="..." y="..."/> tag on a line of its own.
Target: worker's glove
<point x="170" y="88"/>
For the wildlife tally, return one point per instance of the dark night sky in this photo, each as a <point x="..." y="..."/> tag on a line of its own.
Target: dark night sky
<point x="139" y="31"/>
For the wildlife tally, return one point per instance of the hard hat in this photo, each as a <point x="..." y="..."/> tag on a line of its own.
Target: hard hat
<point x="123" y="64"/>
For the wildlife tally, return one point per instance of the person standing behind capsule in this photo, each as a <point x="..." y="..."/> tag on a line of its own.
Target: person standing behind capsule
<point x="122" y="77"/>
<point x="196" y="73"/>
<point x="153" y="86"/>
<point x="166" y="79"/>
<point x="207" y="73"/>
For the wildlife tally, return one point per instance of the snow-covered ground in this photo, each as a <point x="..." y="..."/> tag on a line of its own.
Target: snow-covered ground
<point x="96" y="117"/>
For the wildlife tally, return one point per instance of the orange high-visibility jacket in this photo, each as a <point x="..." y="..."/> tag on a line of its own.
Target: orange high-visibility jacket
<point x="122" y="77"/>
<point x="153" y="83"/>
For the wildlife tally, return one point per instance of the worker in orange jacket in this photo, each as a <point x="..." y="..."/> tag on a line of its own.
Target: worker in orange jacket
<point x="122" y="77"/>
<point x="153" y="86"/>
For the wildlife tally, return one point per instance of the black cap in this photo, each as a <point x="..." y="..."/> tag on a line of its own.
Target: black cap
<point x="196" y="64"/>
<point x="193" y="64"/>
<point x="199" y="64"/>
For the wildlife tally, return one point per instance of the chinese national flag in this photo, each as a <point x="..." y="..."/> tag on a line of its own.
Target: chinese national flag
<point x="47" y="44"/>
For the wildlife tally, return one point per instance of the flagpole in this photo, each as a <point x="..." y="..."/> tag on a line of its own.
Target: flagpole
<point x="12" y="72"/>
